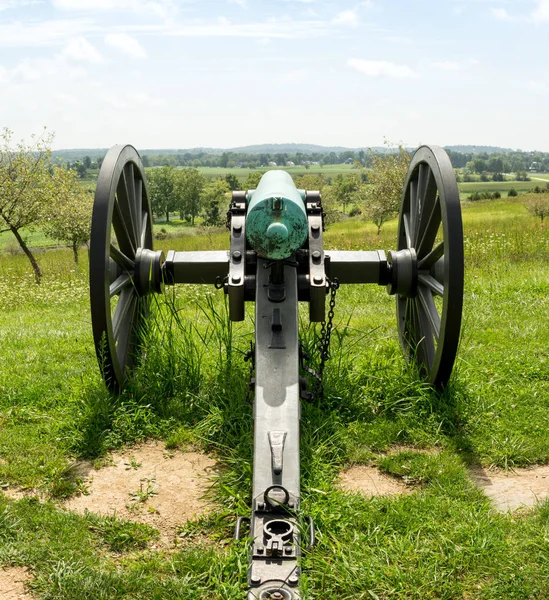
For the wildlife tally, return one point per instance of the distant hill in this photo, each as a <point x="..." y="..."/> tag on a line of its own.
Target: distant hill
<point x="481" y="149"/>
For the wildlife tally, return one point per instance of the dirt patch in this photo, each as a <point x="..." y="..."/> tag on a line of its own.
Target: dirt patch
<point x="12" y="583"/>
<point x="510" y="490"/>
<point x="148" y="485"/>
<point x="369" y="481"/>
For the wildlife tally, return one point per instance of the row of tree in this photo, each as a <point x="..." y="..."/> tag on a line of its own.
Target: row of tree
<point x="374" y="192"/>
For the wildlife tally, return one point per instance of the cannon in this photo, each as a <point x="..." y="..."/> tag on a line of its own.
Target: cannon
<point x="276" y="258"/>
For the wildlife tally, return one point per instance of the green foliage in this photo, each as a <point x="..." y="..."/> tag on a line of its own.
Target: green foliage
<point x="161" y="185"/>
<point x="537" y="205"/>
<point x="27" y="186"/>
<point x="382" y="196"/>
<point x="512" y="193"/>
<point x="68" y="216"/>
<point x="215" y="201"/>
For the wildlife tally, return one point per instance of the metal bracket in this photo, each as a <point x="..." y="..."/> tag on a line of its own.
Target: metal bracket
<point x="317" y="273"/>
<point x="237" y="259"/>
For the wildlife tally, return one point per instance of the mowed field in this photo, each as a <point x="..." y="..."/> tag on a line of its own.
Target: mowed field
<point x="442" y="537"/>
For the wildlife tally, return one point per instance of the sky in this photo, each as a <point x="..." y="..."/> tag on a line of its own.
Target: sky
<point x="226" y="73"/>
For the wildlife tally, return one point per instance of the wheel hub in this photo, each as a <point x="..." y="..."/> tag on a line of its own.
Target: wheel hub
<point x="403" y="272"/>
<point x="148" y="271"/>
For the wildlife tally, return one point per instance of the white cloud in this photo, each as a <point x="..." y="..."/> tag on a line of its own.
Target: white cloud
<point x="144" y="99"/>
<point x="501" y="14"/>
<point x="126" y="44"/>
<point x="45" y="33"/>
<point x="79" y="49"/>
<point x="446" y="65"/>
<point x="291" y="77"/>
<point x="158" y="7"/>
<point x="382" y="68"/>
<point x="538" y="86"/>
<point x="541" y="13"/>
<point x="273" y="28"/>
<point x="241" y="3"/>
<point x="6" y="4"/>
<point x="347" y="17"/>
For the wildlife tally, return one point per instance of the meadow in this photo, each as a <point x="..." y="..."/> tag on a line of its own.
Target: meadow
<point x="445" y="540"/>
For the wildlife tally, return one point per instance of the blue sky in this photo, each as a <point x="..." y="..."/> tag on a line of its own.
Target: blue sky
<point x="222" y="73"/>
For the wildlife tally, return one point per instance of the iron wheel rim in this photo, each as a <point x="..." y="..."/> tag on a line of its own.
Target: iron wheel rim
<point x="429" y="321"/>
<point x="121" y="224"/>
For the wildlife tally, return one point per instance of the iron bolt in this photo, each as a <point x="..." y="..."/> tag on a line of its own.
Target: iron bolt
<point x="315" y="227"/>
<point x="317" y="279"/>
<point x="237" y="228"/>
<point x="276" y="596"/>
<point x="237" y="255"/>
<point x="288" y="550"/>
<point x="293" y="580"/>
<point x="260" y="549"/>
<point x="255" y="579"/>
<point x="316" y="256"/>
<point x="235" y="279"/>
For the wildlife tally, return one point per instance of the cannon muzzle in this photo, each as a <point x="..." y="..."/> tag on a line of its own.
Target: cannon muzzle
<point x="276" y="220"/>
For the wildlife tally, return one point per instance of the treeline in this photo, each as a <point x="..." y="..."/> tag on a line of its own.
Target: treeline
<point x="475" y="162"/>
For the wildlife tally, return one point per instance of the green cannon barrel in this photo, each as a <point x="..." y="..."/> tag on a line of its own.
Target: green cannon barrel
<point x="276" y="220"/>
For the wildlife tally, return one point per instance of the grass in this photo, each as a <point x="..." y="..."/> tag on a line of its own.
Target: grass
<point x="443" y="541"/>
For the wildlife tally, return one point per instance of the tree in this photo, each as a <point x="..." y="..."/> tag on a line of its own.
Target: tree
<point x="232" y="181"/>
<point x="215" y="200"/>
<point x="538" y="205"/>
<point x="27" y="185"/>
<point x="87" y="162"/>
<point x="310" y="182"/>
<point x="252" y="181"/>
<point x="189" y="184"/>
<point x="68" y="216"/>
<point x="382" y="196"/>
<point x="162" y="190"/>
<point x="345" y="188"/>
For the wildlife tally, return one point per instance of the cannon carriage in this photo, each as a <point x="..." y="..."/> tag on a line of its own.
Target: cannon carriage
<point x="276" y="258"/>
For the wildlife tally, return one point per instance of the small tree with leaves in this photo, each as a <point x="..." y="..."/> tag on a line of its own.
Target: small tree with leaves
<point x="382" y="195"/>
<point x="215" y="200"/>
<point x="68" y="217"/>
<point x="27" y="186"/>
<point x="538" y="205"/>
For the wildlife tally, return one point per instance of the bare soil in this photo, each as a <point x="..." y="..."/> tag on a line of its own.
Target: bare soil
<point x="148" y="485"/>
<point x="12" y="583"/>
<point x="370" y="481"/>
<point x="511" y="490"/>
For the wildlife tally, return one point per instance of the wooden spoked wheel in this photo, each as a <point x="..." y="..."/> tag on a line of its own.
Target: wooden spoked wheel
<point x="430" y="235"/>
<point x="121" y="253"/>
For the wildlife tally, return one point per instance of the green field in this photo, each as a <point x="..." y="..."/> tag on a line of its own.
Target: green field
<point x="444" y="540"/>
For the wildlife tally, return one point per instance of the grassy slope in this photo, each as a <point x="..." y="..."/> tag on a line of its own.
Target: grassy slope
<point x="442" y="542"/>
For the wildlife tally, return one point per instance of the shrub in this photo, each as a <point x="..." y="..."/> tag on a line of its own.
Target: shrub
<point x="512" y="192"/>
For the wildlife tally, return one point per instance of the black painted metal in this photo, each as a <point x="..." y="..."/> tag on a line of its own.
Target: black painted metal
<point x="430" y="241"/>
<point x="121" y="228"/>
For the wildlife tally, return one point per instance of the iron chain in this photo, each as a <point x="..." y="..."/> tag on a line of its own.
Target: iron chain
<point x="325" y="335"/>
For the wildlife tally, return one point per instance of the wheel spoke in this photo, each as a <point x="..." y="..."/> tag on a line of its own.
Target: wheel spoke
<point x="430" y="282"/>
<point x="139" y="209"/>
<point x="429" y="235"/>
<point x="428" y="305"/>
<point x="428" y="261"/>
<point x="132" y="197"/>
<point x="121" y="259"/>
<point x="122" y="311"/>
<point x="125" y="193"/>
<point x="426" y="345"/>
<point x="123" y="235"/>
<point x="428" y="195"/>
<point x="407" y="232"/>
<point x="119" y="284"/>
<point x="144" y="227"/>
<point x="413" y="211"/>
<point x="127" y="333"/>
